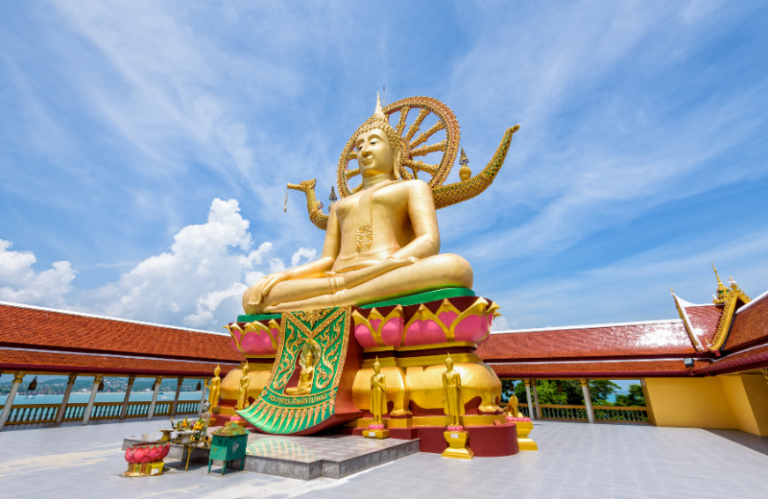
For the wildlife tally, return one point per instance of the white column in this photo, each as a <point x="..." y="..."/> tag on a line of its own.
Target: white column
<point x="95" y="388"/>
<point x="536" y="400"/>
<point x="202" y="398"/>
<point x="65" y="400"/>
<point x="124" y="409"/>
<point x="176" y="398"/>
<point x="18" y="377"/>
<point x="528" y="398"/>
<point x="587" y="399"/>
<point x="154" y="398"/>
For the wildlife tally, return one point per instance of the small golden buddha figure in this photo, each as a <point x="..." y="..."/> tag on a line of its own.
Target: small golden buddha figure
<point x="453" y="402"/>
<point x="511" y="409"/>
<point x="382" y="241"/>
<point x="307" y="362"/>
<point x="242" y="394"/>
<point x="214" y="388"/>
<point x="378" y="393"/>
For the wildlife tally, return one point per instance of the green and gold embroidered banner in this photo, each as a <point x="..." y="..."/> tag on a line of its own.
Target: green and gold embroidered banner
<point x="318" y="339"/>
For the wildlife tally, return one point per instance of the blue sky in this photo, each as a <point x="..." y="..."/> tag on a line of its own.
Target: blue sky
<point x="145" y="147"/>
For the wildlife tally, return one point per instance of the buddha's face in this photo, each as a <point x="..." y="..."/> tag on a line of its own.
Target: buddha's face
<point x="449" y="364"/>
<point x="308" y="358"/>
<point x="377" y="368"/>
<point x="374" y="153"/>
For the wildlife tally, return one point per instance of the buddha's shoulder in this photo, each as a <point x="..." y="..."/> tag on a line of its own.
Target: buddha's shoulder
<point x="414" y="185"/>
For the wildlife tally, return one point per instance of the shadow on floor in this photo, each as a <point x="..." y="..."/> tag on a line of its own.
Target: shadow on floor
<point x="754" y="442"/>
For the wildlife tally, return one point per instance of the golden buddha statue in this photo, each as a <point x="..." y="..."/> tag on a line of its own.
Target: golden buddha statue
<point x="382" y="241"/>
<point x="307" y="361"/>
<point x="511" y="409"/>
<point x="453" y="402"/>
<point x="378" y="393"/>
<point x="214" y="388"/>
<point x="242" y="394"/>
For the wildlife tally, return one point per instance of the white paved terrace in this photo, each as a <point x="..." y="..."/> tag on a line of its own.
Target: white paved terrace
<point x="575" y="461"/>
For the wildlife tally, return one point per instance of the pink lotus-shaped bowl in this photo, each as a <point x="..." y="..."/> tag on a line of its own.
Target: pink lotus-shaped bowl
<point x="147" y="453"/>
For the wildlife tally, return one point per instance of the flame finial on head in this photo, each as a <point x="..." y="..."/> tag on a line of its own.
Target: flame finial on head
<point x="380" y="121"/>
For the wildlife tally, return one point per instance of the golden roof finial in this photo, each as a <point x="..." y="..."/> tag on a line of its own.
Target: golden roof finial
<point x="719" y="282"/>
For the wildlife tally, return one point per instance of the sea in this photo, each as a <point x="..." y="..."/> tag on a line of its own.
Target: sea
<point x="24" y="398"/>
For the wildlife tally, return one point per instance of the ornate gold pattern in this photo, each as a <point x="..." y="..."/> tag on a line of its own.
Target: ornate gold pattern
<point x="294" y="409"/>
<point x="375" y="315"/>
<point x="312" y="316"/>
<point x="729" y="298"/>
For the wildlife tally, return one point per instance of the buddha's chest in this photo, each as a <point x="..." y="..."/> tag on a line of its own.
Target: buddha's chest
<point x="383" y="208"/>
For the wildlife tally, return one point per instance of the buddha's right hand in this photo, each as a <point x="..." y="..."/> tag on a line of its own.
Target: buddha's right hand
<point x="265" y="285"/>
<point x="357" y="277"/>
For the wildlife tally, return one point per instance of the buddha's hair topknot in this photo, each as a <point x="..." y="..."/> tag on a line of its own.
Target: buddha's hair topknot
<point x="380" y="121"/>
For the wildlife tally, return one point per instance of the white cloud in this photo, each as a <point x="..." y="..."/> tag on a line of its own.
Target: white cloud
<point x="310" y="254"/>
<point x="20" y="283"/>
<point x="198" y="283"/>
<point x="500" y="324"/>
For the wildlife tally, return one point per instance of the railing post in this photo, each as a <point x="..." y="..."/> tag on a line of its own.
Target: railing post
<point x="65" y="400"/>
<point x="536" y="400"/>
<point x="176" y="398"/>
<point x="18" y="377"/>
<point x="154" y="398"/>
<point x="95" y="388"/>
<point x="587" y="399"/>
<point x="527" y="382"/>
<point x="202" y="398"/>
<point x="128" y="389"/>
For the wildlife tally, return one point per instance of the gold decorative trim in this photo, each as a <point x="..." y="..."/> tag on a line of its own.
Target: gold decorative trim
<point x="422" y="361"/>
<point x="416" y="348"/>
<point x="729" y="298"/>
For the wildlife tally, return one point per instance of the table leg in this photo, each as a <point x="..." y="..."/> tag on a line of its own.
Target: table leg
<point x="210" y="461"/>
<point x="189" y="453"/>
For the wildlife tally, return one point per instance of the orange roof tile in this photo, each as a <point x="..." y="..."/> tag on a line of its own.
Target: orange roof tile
<point x="642" y="339"/>
<point x="750" y="324"/>
<point x="33" y="327"/>
<point x="47" y="361"/>
<point x="703" y="322"/>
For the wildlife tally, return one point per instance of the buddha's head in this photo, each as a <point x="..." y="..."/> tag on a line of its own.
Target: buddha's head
<point x="217" y="371"/>
<point x="377" y="366"/>
<point x="380" y="149"/>
<point x="246" y="367"/>
<point x="449" y="362"/>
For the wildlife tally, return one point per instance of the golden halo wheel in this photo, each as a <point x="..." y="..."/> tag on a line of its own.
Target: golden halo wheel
<point x="438" y="157"/>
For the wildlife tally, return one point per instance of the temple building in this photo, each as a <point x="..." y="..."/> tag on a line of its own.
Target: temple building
<point x="707" y="369"/>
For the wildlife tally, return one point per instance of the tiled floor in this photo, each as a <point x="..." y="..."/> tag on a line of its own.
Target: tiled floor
<point x="575" y="460"/>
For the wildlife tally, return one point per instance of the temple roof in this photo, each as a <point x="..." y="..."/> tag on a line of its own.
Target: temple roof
<point x="664" y="338"/>
<point x="750" y="325"/>
<point x="700" y="321"/>
<point x="62" y="340"/>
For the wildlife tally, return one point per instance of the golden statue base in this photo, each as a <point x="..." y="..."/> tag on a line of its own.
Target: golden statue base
<point x="376" y="434"/>
<point x="524" y="441"/>
<point x="457" y="445"/>
<point x="145" y="469"/>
